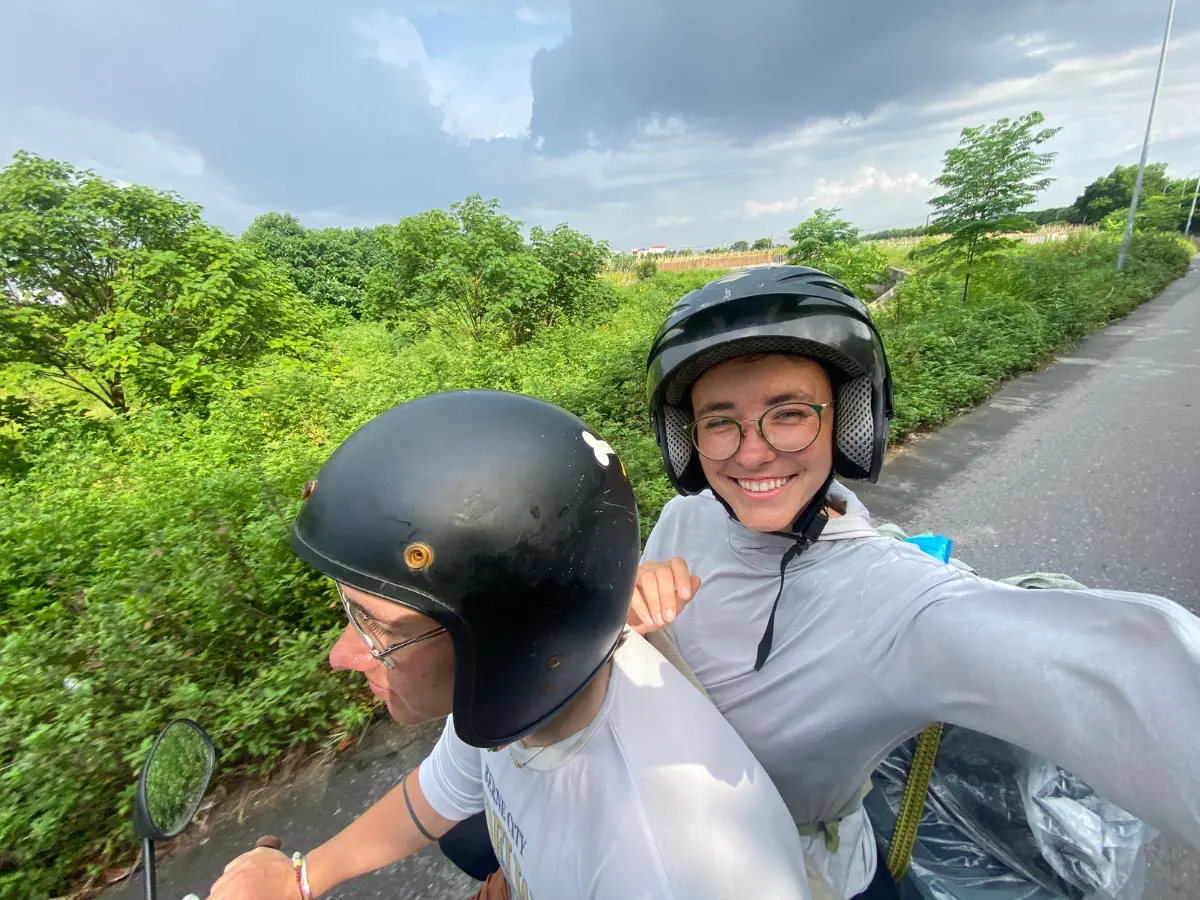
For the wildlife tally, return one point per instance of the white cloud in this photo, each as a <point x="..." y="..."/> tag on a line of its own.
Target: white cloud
<point x="1037" y="44"/>
<point x="669" y="221"/>
<point x="530" y="16"/>
<point x="143" y="155"/>
<point x="656" y="127"/>
<point x="394" y="40"/>
<point x="754" y="208"/>
<point x="866" y="180"/>
<point x="483" y="92"/>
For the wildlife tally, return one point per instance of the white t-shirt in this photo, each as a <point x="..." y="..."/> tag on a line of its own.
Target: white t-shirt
<point x="657" y="798"/>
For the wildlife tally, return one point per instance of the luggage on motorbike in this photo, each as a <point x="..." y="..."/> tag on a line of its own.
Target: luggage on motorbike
<point x="995" y="821"/>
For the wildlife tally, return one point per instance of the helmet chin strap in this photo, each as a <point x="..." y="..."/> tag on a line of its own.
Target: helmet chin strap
<point x="805" y="531"/>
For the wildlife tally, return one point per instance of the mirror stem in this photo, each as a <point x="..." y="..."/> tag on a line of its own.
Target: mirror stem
<point x="148" y="867"/>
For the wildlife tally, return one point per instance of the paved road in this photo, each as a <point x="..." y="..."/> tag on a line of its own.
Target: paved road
<point x="1091" y="467"/>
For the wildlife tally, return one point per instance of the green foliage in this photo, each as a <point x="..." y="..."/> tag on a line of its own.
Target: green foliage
<point x="573" y="292"/>
<point x="763" y="243"/>
<point x="1155" y="212"/>
<point x="830" y="244"/>
<point x="890" y="233"/>
<point x="1114" y="192"/>
<point x="145" y="571"/>
<point x="855" y="265"/>
<point x="739" y="247"/>
<point x="989" y="177"/>
<point x="819" y="231"/>
<point x="125" y="295"/>
<point x="1056" y="215"/>
<point x="647" y="269"/>
<point x="468" y="271"/>
<point x="334" y="267"/>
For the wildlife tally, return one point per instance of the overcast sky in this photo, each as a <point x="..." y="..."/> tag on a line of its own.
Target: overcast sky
<point x="682" y="122"/>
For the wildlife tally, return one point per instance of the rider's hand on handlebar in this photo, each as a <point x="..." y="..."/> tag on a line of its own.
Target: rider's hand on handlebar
<point x="261" y="874"/>
<point x="661" y="591"/>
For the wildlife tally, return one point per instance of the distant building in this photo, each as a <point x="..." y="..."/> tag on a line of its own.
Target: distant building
<point x="656" y="250"/>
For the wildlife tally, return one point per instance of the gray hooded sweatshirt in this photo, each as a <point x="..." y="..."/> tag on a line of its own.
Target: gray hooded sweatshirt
<point x="874" y="639"/>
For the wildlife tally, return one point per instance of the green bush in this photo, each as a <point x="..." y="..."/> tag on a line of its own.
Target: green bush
<point x="144" y="566"/>
<point x="646" y="269"/>
<point x="1035" y="302"/>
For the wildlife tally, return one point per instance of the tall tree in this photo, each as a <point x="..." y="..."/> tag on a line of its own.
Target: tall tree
<point x="124" y="294"/>
<point x="762" y="244"/>
<point x="573" y="261"/>
<point x="467" y="268"/>
<point x="1114" y="191"/>
<point x="991" y="176"/>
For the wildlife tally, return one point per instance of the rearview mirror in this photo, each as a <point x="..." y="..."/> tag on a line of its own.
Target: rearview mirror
<point x="174" y="779"/>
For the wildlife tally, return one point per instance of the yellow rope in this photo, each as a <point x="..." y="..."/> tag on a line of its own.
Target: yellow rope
<point x="904" y="835"/>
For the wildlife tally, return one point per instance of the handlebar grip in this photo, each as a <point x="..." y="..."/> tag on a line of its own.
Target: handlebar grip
<point x="270" y="841"/>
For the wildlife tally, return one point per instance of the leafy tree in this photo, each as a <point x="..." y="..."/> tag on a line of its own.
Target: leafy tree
<point x="819" y="231"/>
<point x="739" y="247"/>
<point x="762" y="244"/>
<point x="647" y="269"/>
<point x="468" y="269"/>
<point x="831" y="244"/>
<point x="123" y="294"/>
<point x="989" y="178"/>
<point x="1114" y="191"/>
<point x="332" y="266"/>
<point x="573" y="261"/>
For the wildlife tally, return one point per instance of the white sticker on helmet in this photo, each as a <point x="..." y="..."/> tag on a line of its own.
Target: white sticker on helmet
<point x="601" y="448"/>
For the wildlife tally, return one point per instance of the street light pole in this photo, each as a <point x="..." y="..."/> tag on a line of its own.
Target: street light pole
<point x="1137" y="185"/>
<point x="1187" y="229"/>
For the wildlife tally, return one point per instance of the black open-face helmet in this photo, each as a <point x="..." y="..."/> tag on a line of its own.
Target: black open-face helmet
<point x="773" y="309"/>
<point x="504" y="519"/>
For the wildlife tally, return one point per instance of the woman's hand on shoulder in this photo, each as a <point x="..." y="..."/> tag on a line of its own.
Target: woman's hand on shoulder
<point x="660" y="593"/>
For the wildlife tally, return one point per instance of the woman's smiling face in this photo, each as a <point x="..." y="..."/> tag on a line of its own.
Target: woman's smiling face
<point x="765" y="487"/>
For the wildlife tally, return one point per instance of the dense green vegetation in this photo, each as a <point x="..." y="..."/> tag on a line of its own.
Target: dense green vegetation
<point x="144" y="565"/>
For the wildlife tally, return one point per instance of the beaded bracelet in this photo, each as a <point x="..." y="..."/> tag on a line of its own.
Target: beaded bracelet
<point x="300" y="864"/>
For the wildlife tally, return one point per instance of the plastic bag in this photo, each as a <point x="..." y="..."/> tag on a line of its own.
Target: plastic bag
<point x="1002" y="824"/>
<point x="1092" y="843"/>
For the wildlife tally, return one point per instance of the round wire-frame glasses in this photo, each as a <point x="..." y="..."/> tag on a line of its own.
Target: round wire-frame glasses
<point x="791" y="430"/>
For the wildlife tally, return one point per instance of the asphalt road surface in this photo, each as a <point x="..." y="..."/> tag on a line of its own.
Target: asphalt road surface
<point x="1091" y="467"/>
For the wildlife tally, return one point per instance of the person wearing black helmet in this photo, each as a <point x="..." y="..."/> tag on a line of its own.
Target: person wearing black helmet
<point x="826" y="644"/>
<point x="484" y="546"/>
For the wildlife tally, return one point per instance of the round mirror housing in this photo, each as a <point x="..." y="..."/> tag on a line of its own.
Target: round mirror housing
<point x="174" y="780"/>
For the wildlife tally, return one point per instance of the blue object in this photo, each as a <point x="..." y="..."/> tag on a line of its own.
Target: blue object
<point x="936" y="545"/>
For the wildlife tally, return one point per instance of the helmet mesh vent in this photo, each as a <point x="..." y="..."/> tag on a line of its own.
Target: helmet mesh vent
<point x="855" y="426"/>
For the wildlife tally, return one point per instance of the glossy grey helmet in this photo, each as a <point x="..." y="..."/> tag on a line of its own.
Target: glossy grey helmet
<point x="773" y="309"/>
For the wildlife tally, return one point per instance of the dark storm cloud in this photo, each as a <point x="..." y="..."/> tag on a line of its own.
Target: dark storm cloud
<point x="753" y="68"/>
